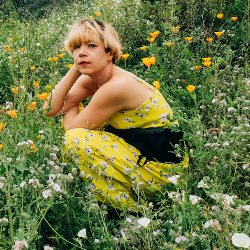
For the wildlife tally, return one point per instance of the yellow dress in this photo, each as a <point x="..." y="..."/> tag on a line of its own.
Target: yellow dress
<point x="109" y="164"/>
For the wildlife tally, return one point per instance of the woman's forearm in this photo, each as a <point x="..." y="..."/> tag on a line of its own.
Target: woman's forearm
<point x="58" y="95"/>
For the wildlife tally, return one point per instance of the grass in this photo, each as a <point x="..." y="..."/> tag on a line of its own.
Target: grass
<point x="214" y="117"/>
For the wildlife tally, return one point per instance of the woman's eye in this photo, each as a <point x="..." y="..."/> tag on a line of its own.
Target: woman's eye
<point x="92" y="45"/>
<point x="76" y="47"/>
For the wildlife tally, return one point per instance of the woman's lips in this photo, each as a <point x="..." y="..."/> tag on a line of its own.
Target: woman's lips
<point x="83" y="63"/>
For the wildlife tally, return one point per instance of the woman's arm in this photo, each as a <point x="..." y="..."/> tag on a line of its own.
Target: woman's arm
<point x="71" y="90"/>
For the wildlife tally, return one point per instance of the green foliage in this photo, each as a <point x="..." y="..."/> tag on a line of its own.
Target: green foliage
<point x="214" y="117"/>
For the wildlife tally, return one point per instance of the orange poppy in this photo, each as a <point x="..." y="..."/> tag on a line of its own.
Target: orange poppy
<point x="218" y="33"/>
<point x="210" y="39"/>
<point x="191" y="88"/>
<point x="188" y="38"/>
<point x="12" y="113"/>
<point x="220" y="15"/>
<point x="43" y="96"/>
<point x="207" y="64"/>
<point x="197" y="67"/>
<point x="143" y="48"/>
<point x="155" y="34"/>
<point x="208" y="59"/>
<point x="156" y="84"/>
<point x="234" y="18"/>
<point x="151" y="39"/>
<point x="15" y="90"/>
<point x="125" y="56"/>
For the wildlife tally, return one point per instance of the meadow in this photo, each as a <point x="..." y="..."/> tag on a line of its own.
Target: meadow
<point x="197" y="54"/>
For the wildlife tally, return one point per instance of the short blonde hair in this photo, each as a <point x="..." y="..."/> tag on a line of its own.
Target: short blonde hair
<point x="93" y="30"/>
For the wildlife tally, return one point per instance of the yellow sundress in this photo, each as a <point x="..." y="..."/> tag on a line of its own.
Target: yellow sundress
<point x="110" y="164"/>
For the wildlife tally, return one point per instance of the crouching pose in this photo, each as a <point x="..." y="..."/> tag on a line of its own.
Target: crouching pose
<point x="122" y="139"/>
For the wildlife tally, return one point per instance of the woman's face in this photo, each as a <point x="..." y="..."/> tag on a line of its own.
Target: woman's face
<point x="90" y="57"/>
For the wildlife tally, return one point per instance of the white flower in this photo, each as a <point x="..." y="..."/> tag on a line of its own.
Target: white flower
<point x="57" y="188"/>
<point x="226" y="143"/>
<point x="246" y="207"/>
<point x="82" y="233"/>
<point x="23" y="183"/>
<point x="245" y="166"/>
<point x="96" y="241"/>
<point x="144" y="221"/>
<point x="46" y="194"/>
<point x="241" y="240"/>
<point x="174" y="179"/>
<point x="180" y="239"/>
<point x="208" y="224"/>
<point x="48" y="248"/>
<point x="201" y="184"/>
<point x="1" y="184"/>
<point x="4" y="220"/>
<point x="194" y="199"/>
<point x="37" y="44"/>
<point x="19" y="245"/>
<point x="129" y="220"/>
<point x="155" y="233"/>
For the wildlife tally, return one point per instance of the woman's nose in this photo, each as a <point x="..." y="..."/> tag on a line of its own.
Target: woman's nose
<point x="82" y="51"/>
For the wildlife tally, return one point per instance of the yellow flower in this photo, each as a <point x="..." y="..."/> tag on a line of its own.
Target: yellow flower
<point x="36" y="150"/>
<point x="116" y="6"/>
<point x="43" y="96"/>
<point x="207" y="64"/>
<point x="33" y="104"/>
<point x="22" y="49"/>
<point x="61" y="55"/>
<point x="55" y="59"/>
<point x="148" y="61"/>
<point x="175" y="29"/>
<point x="197" y="67"/>
<point x="234" y="18"/>
<point x="36" y="84"/>
<point x="106" y="2"/>
<point x="12" y="113"/>
<point x="233" y="77"/>
<point x="151" y="39"/>
<point x="188" y="38"/>
<point x="7" y="46"/>
<point x="69" y="65"/>
<point x="15" y="90"/>
<point x="9" y="49"/>
<point x="155" y="34"/>
<point x="210" y="39"/>
<point x="125" y="56"/>
<point x="98" y="13"/>
<point x="1" y="145"/>
<point x="2" y="126"/>
<point x="11" y="39"/>
<point x="191" y="88"/>
<point x="48" y="87"/>
<point x="39" y="136"/>
<point x="143" y="48"/>
<point x="156" y="84"/>
<point x="18" y="36"/>
<point x="91" y="17"/>
<point x="33" y="67"/>
<point x="63" y="49"/>
<point x="33" y="145"/>
<point x="169" y="44"/>
<point x="13" y="60"/>
<point x="208" y="59"/>
<point x="220" y="15"/>
<point x="39" y="31"/>
<point x="218" y="33"/>
<point x="28" y="24"/>
<point x="50" y="59"/>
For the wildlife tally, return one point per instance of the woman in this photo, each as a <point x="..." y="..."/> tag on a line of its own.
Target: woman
<point x="117" y="171"/>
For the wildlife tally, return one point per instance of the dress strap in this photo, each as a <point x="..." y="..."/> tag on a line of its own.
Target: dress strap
<point x="141" y="81"/>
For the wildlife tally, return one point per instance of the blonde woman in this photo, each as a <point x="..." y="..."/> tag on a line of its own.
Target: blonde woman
<point x="122" y="138"/>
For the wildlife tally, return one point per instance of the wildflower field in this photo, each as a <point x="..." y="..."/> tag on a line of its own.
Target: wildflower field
<point x="197" y="54"/>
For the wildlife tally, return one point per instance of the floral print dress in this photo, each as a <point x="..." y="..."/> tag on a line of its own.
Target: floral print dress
<point x="109" y="164"/>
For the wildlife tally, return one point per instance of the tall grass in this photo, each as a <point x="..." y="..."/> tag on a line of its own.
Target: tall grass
<point x="44" y="202"/>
